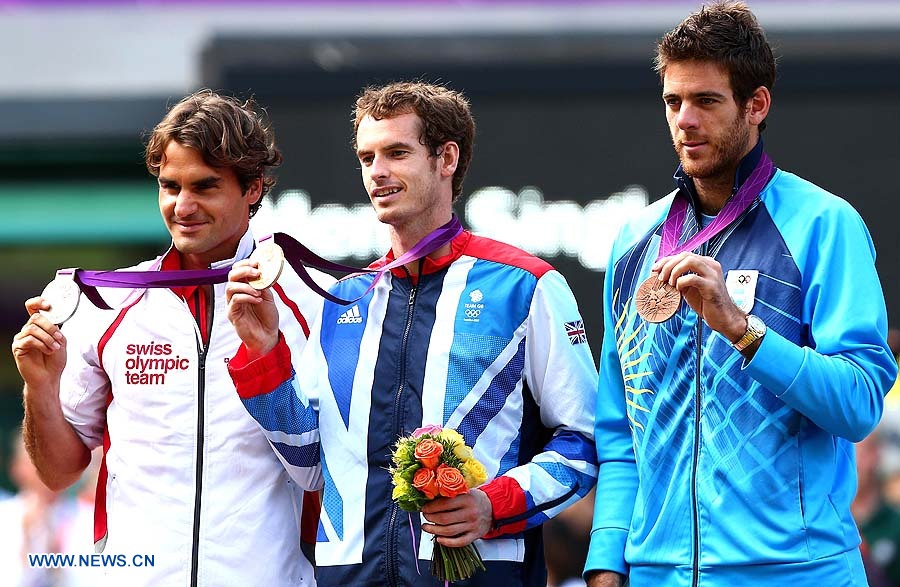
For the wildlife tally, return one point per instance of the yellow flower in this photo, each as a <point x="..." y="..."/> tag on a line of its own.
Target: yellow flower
<point x="401" y="488"/>
<point x="452" y="436"/>
<point x="404" y="452"/>
<point x="474" y="472"/>
<point x="462" y="452"/>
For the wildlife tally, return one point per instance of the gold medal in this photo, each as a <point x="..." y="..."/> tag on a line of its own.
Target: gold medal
<point x="63" y="295"/>
<point x="270" y="260"/>
<point x="656" y="300"/>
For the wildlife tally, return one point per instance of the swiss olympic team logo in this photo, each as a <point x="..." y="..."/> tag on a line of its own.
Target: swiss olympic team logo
<point x="149" y="363"/>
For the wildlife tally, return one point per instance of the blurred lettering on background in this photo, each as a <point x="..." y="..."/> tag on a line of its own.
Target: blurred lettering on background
<point x="548" y="229"/>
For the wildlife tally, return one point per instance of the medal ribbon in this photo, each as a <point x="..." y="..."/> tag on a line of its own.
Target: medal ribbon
<point x="295" y="253"/>
<point x="298" y="256"/>
<point x="89" y="281"/>
<point x="736" y="206"/>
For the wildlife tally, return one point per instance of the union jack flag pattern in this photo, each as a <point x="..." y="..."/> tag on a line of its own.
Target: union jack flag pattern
<point x="576" y="333"/>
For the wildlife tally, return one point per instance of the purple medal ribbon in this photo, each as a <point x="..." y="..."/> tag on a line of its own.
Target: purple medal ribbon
<point x="298" y="256"/>
<point x="89" y="281"/>
<point x="412" y="533"/>
<point x="295" y="253"/>
<point x="733" y="209"/>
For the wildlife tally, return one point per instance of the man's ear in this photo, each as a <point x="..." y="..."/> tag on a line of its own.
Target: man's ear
<point x="254" y="191"/>
<point x="449" y="158"/>
<point x="758" y="105"/>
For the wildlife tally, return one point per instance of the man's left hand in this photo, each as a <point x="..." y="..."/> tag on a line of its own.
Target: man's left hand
<point x="458" y="521"/>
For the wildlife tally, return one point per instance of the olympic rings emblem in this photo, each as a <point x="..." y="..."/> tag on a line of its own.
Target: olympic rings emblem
<point x="473" y="313"/>
<point x="743" y="279"/>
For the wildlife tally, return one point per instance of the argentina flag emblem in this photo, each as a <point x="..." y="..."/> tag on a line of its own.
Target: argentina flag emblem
<point x="741" y="286"/>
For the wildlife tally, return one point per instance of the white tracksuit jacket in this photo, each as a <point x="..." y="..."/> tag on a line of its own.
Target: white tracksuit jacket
<point x="188" y="477"/>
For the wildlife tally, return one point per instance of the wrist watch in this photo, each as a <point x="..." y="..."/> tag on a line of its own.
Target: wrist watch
<point x="756" y="329"/>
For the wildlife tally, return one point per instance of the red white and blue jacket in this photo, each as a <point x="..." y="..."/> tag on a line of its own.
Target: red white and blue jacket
<point x="187" y="476"/>
<point x="488" y="341"/>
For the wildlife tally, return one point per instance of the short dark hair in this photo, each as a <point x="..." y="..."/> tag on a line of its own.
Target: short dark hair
<point x="728" y="34"/>
<point x="445" y="114"/>
<point x="227" y="132"/>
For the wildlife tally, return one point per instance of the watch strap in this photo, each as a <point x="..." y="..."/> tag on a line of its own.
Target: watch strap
<point x="756" y="328"/>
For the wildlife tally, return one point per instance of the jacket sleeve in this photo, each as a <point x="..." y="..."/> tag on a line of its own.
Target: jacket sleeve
<point x="840" y="380"/>
<point x="617" y="483"/>
<point x="560" y="374"/>
<point x="269" y="390"/>
<point x="84" y="386"/>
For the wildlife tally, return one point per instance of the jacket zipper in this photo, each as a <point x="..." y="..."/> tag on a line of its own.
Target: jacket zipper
<point x="695" y="501"/>
<point x="393" y="529"/>
<point x="201" y="417"/>
<point x="695" y="506"/>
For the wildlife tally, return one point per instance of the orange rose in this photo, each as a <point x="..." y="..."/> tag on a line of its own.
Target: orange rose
<point x="424" y="480"/>
<point x="450" y="481"/>
<point x="429" y="452"/>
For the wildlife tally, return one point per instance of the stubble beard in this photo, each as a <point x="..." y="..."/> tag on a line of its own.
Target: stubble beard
<point x="728" y="150"/>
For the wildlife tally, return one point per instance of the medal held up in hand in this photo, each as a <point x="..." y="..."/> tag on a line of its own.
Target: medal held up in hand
<point x="656" y="300"/>
<point x="63" y="294"/>
<point x="270" y="259"/>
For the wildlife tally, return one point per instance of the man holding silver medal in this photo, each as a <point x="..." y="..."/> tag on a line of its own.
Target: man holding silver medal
<point x="744" y="349"/>
<point x="187" y="475"/>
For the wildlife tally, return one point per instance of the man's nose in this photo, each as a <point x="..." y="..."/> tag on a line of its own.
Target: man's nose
<point x="380" y="167"/>
<point x="185" y="203"/>
<point x="687" y="117"/>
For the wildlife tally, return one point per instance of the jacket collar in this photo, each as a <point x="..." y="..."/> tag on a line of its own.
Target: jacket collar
<point x="171" y="261"/>
<point x="429" y="265"/>
<point x="685" y="183"/>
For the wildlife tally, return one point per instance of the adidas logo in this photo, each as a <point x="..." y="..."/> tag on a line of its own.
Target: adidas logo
<point x="351" y="316"/>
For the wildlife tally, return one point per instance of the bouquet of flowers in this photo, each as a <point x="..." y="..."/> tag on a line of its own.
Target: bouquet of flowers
<point x="435" y="462"/>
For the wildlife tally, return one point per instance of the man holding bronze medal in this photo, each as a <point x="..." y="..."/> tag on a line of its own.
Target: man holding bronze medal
<point x="187" y="476"/>
<point x="461" y="332"/>
<point x="744" y="348"/>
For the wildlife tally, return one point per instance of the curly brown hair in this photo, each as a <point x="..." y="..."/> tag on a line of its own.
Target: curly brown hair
<point x="445" y="114"/>
<point x="728" y="34"/>
<point x="227" y="132"/>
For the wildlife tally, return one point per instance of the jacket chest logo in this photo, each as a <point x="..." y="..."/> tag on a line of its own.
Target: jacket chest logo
<point x="149" y="363"/>
<point x="473" y="308"/>
<point x="351" y="316"/>
<point x="741" y="286"/>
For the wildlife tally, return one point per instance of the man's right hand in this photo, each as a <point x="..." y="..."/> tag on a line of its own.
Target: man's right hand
<point x="39" y="348"/>
<point x="40" y="353"/>
<point x="252" y="312"/>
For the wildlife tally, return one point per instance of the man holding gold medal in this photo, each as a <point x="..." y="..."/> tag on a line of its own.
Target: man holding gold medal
<point x="744" y="349"/>
<point x="187" y="476"/>
<point x="462" y="332"/>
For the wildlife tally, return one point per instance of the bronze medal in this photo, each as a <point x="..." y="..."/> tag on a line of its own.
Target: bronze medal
<point x="656" y="300"/>
<point x="270" y="258"/>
